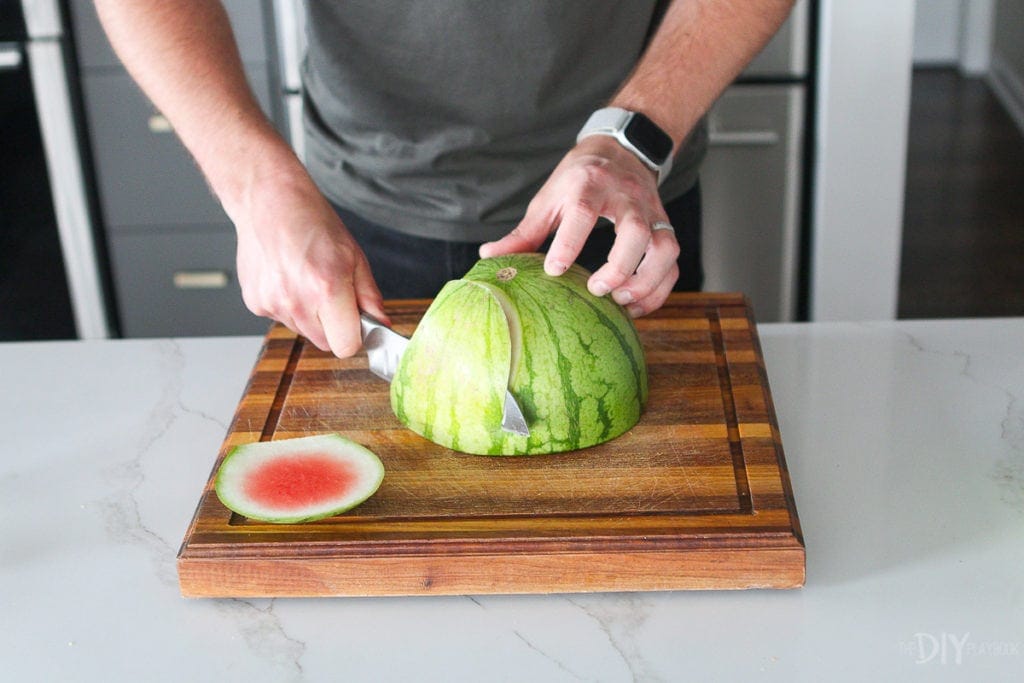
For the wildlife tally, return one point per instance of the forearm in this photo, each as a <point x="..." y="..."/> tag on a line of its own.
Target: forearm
<point x="183" y="55"/>
<point x="699" y="49"/>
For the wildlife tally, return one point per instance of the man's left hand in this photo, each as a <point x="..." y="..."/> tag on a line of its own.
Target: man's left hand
<point x="598" y="178"/>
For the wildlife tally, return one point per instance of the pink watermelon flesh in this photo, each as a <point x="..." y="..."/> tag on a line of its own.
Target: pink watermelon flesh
<point x="297" y="480"/>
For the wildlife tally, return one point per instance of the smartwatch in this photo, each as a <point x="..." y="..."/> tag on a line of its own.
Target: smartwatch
<point x="635" y="132"/>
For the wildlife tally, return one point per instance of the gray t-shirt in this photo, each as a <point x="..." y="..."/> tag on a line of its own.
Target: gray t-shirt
<point x="443" y="118"/>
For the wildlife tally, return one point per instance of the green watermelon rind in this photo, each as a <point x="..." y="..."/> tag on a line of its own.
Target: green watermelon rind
<point x="240" y="459"/>
<point x="587" y="387"/>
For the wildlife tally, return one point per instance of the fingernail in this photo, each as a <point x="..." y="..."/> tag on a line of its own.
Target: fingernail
<point x="599" y="288"/>
<point x="623" y="297"/>
<point x="555" y="268"/>
<point x="635" y="311"/>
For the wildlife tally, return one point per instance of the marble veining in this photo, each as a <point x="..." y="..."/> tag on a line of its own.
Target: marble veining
<point x="905" y="443"/>
<point x="621" y="619"/>
<point x="1008" y="471"/>
<point x="120" y="508"/>
<point x="265" y="635"/>
<point x="559" y="664"/>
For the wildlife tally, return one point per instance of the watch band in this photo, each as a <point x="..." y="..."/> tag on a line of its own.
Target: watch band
<point x="635" y="132"/>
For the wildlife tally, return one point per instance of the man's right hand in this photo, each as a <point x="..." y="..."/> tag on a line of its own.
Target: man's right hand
<point x="296" y="261"/>
<point x="298" y="264"/>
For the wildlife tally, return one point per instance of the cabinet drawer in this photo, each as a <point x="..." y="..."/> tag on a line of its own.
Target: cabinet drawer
<point x="248" y="21"/>
<point x="785" y="55"/>
<point x="173" y="284"/>
<point x="145" y="175"/>
<point x="751" y="185"/>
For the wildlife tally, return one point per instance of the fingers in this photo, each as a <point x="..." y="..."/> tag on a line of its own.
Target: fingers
<point x="318" y="297"/>
<point x="299" y="313"/>
<point x="339" y="318"/>
<point x="298" y="264"/>
<point x="573" y="222"/>
<point x="515" y="242"/>
<point x="306" y="323"/>
<point x="577" y="222"/>
<point x="531" y="232"/>
<point x="368" y="296"/>
<point x="632" y="238"/>
<point x="336" y="326"/>
<point x="646" y="289"/>
<point x="331" y="323"/>
<point x="599" y="178"/>
<point x="267" y="296"/>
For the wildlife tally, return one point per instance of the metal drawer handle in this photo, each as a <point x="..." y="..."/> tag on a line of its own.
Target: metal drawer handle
<point x="200" y="279"/>
<point x="158" y="123"/>
<point x="743" y="138"/>
<point x="10" y="56"/>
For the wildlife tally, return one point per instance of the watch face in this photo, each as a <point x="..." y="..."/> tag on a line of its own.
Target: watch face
<point x="652" y="141"/>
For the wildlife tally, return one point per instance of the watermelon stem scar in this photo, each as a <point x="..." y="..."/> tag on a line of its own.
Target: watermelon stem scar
<point x="506" y="274"/>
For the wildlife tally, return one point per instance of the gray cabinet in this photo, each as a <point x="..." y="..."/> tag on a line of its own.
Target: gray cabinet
<point x="751" y="182"/>
<point x="145" y="175"/>
<point x="249" y="22"/>
<point x="171" y="246"/>
<point x="753" y="179"/>
<point x="180" y="282"/>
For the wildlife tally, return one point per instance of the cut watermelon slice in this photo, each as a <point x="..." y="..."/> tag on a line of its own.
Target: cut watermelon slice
<point x="298" y="480"/>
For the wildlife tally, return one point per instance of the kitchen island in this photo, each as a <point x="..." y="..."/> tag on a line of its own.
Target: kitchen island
<point x="905" y="445"/>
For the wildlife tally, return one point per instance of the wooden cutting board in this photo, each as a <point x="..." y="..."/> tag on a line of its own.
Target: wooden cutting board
<point x="696" y="496"/>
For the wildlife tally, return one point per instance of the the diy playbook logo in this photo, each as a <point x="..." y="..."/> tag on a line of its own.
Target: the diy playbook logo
<point x="955" y="648"/>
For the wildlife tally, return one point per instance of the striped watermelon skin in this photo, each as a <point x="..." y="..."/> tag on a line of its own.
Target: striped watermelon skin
<point x="573" y="361"/>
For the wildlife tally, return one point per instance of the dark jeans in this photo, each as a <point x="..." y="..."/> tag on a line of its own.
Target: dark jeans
<point x="408" y="267"/>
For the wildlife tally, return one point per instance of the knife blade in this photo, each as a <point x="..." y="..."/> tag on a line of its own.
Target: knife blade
<point x="384" y="348"/>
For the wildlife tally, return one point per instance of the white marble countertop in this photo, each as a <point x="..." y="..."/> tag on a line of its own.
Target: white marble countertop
<point x="905" y="443"/>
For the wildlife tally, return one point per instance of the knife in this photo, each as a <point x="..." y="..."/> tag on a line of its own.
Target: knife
<point x="384" y="348"/>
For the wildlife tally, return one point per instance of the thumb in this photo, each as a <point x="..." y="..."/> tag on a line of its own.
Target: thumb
<point x="525" y="237"/>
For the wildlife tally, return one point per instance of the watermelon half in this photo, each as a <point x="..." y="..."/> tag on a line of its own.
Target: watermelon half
<point x="572" y="360"/>
<point x="297" y="480"/>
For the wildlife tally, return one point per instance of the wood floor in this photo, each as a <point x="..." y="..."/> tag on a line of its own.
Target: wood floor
<point x="963" y="234"/>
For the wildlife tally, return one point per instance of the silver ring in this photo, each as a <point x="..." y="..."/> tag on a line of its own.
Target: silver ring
<point x="663" y="225"/>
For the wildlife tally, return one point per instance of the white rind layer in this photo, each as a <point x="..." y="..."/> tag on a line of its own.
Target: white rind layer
<point x="247" y="457"/>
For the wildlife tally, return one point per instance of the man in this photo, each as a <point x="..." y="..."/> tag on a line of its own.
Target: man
<point x="431" y="124"/>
